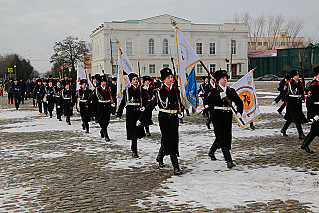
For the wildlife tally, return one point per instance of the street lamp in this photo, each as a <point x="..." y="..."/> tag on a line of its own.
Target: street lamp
<point x="15" y="70"/>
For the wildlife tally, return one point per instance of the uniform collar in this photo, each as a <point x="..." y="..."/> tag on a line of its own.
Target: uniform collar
<point x="223" y="88"/>
<point x="168" y="86"/>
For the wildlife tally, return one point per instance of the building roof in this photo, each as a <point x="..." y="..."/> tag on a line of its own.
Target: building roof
<point x="261" y="53"/>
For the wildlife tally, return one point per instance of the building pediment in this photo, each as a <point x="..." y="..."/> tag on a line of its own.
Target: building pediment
<point x="165" y="18"/>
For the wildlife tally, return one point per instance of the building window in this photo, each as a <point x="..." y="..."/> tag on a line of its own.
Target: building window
<point x="259" y="43"/>
<point x="114" y="48"/>
<point x="165" y="46"/>
<point x="233" y="47"/>
<point x="212" y="48"/>
<point x="151" y="46"/>
<point x="199" y="69"/>
<point x="265" y="43"/>
<point x="212" y="68"/>
<point x="300" y="43"/>
<point x="151" y="69"/>
<point x="199" y="48"/>
<point x="289" y="44"/>
<point x="294" y="44"/>
<point x="165" y="66"/>
<point x="129" y="47"/>
<point x="271" y="44"/>
<point x="253" y="43"/>
<point x="277" y="44"/>
<point x="283" y="44"/>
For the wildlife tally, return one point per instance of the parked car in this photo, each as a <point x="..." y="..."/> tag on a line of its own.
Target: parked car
<point x="268" y="77"/>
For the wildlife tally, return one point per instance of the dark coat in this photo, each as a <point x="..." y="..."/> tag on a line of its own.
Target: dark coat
<point x="49" y="93"/>
<point x="131" y="99"/>
<point x="294" y="104"/>
<point x="222" y="119"/>
<point x="312" y="102"/>
<point x="39" y="92"/>
<point x="103" y="100"/>
<point x="149" y="94"/>
<point x="58" y="100"/>
<point x="82" y="97"/>
<point x="166" y="99"/>
<point x="15" y="88"/>
<point x="67" y="102"/>
<point x="93" y="101"/>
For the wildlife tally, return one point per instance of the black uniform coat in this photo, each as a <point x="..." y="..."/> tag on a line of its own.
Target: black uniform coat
<point x="103" y="100"/>
<point x="312" y="104"/>
<point x="93" y="101"/>
<point x="294" y="104"/>
<point x="148" y="115"/>
<point x="58" y="100"/>
<point x="67" y="102"/>
<point x="166" y="99"/>
<point x="132" y="96"/>
<point x="49" y="92"/>
<point x="222" y="119"/>
<point x="82" y="96"/>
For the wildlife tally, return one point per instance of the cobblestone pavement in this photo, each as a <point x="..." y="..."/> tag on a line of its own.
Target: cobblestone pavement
<point x="67" y="170"/>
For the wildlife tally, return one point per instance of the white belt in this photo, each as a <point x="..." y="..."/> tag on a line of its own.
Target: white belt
<point x="66" y="98"/>
<point x="295" y="96"/>
<point x="82" y="100"/>
<point x="315" y="102"/>
<point x="222" y="108"/>
<point x="133" y="104"/>
<point x="57" y="96"/>
<point x="171" y="111"/>
<point x="107" y="101"/>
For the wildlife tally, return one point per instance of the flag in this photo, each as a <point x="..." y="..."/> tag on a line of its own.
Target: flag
<point x="186" y="58"/>
<point x="81" y="74"/>
<point x="191" y="90"/>
<point x="245" y="88"/>
<point x="124" y="68"/>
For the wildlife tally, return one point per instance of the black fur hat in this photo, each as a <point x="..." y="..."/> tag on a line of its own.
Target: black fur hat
<point x="219" y="74"/>
<point x="293" y="73"/>
<point x="165" y="72"/>
<point x="83" y="81"/>
<point x="131" y="76"/>
<point x="146" y="78"/>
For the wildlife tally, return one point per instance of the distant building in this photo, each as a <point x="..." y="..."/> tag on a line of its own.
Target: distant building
<point x="278" y="41"/>
<point x="152" y="40"/>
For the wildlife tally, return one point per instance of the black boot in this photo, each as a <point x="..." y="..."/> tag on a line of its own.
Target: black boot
<point x="299" y="128"/>
<point x="284" y="128"/>
<point x="208" y="123"/>
<point x="160" y="161"/>
<point x="305" y="144"/>
<point x="87" y="127"/>
<point x="147" y="129"/>
<point x="68" y="120"/>
<point x="281" y="108"/>
<point x="83" y="126"/>
<point x="212" y="151"/>
<point x="134" y="148"/>
<point x="102" y="133"/>
<point x="106" y="136"/>
<point x="174" y="160"/>
<point x="50" y="114"/>
<point x="227" y="156"/>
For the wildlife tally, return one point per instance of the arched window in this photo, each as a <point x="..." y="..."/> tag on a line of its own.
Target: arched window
<point x="151" y="46"/>
<point x="233" y="47"/>
<point x="165" y="46"/>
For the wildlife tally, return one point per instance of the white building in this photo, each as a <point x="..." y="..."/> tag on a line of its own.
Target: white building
<point x="151" y="41"/>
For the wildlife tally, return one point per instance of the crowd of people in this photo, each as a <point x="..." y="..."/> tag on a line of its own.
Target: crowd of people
<point x="98" y="102"/>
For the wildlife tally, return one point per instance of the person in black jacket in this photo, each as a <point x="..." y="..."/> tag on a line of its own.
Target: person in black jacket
<point x="282" y="86"/>
<point x="49" y="97"/>
<point x="23" y="89"/>
<point x="93" y="99"/>
<point x="66" y="96"/>
<point x="294" y="93"/>
<point x="58" y="100"/>
<point x="149" y="92"/>
<point x="38" y="93"/>
<point x="134" y="107"/>
<point x="312" y="104"/>
<point x="222" y="115"/>
<point x="16" y="87"/>
<point x="166" y="97"/>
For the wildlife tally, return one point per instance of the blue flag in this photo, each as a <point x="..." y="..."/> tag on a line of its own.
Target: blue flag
<point x="191" y="90"/>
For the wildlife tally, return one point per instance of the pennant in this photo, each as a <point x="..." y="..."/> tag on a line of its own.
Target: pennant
<point x="124" y="68"/>
<point x="81" y="74"/>
<point x="245" y="88"/>
<point x="191" y="90"/>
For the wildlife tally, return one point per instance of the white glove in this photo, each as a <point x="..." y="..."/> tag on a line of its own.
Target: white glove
<point x="222" y="95"/>
<point x="138" y="123"/>
<point x="112" y="105"/>
<point x="238" y="115"/>
<point x="274" y="103"/>
<point x="180" y="116"/>
<point x="142" y="109"/>
<point x="316" y="117"/>
<point x="206" y="106"/>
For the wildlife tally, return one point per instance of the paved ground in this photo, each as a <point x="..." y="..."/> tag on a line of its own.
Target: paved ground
<point x="48" y="166"/>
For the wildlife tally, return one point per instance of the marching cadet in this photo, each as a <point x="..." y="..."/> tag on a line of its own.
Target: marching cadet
<point x="32" y="86"/>
<point x="15" y="88"/>
<point x="66" y="95"/>
<point x="58" y="100"/>
<point x="149" y="92"/>
<point x="281" y="86"/>
<point x="7" y="88"/>
<point x="44" y="100"/>
<point x="312" y="104"/>
<point x="295" y="95"/>
<point x="134" y="106"/>
<point x="204" y="90"/>
<point x="94" y="101"/>
<point x="49" y="91"/>
<point x="38" y="93"/>
<point x="166" y="97"/>
<point x="104" y="106"/>
<point x="222" y="115"/>
<point x="82" y="95"/>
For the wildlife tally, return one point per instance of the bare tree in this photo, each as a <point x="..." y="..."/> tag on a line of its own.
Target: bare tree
<point x="257" y="28"/>
<point x="293" y="28"/>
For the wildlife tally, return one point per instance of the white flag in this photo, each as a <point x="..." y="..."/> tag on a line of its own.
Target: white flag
<point x="81" y="74"/>
<point x="125" y="67"/>
<point x="186" y="57"/>
<point x="245" y="88"/>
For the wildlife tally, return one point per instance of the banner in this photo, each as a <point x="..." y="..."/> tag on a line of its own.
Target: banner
<point x="124" y="68"/>
<point x="191" y="90"/>
<point x="186" y="58"/>
<point x="245" y="88"/>
<point x="81" y="74"/>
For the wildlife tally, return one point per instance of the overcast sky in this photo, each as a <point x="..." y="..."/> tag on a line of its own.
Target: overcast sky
<point x="30" y="27"/>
